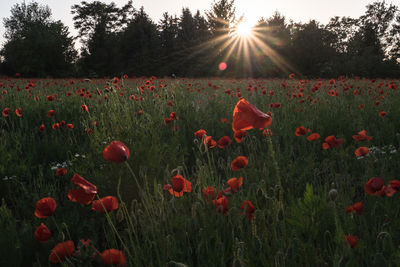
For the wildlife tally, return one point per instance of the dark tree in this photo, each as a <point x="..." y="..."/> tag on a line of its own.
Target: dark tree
<point x="36" y="45"/>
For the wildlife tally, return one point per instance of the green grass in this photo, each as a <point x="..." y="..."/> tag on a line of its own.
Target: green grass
<point x="288" y="178"/>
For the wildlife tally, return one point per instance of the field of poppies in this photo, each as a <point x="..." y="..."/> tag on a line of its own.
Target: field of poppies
<point x="199" y="172"/>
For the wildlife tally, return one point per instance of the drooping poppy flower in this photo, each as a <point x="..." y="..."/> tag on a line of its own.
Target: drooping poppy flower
<point x="301" y="131"/>
<point x="113" y="257"/>
<point x="18" y="111"/>
<point x="313" y="137"/>
<point x="42" y="233"/>
<point x="239" y="163"/>
<point x="356" y="207"/>
<point x="351" y="240"/>
<point x="224" y="141"/>
<point x="332" y="142"/>
<point x="62" y="251"/>
<point x="199" y="134"/>
<point x="361" y="151"/>
<point x="116" y="151"/>
<point x="374" y="186"/>
<point x="61" y="171"/>
<point x="362" y="136"/>
<point x="110" y="203"/>
<point x="221" y="203"/>
<point x="248" y="209"/>
<point x="5" y="112"/>
<point x="210" y="142"/>
<point x="45" y="207"/>
<point x="85" y="108"/>
<point x="234" y="183"/>
<point x="178" y="186"/>
<point x="239" y="135"/>
<point x="208" y="192"/>
<point x="246" y="117"/>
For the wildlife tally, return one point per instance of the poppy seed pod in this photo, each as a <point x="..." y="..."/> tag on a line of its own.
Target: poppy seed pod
<point x="333" y="194"/>
<point x="116" y="151"/>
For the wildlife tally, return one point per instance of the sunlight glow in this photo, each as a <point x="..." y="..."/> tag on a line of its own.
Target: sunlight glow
<point x="244" y="29"/>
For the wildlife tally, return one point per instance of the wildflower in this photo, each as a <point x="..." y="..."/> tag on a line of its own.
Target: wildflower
<point x="356" y="207"/>
<point x="267" y="132"/>
<point x="246" y="117"/>
<point x="110" y="203"/>
<point x="351" y="240"/>
<point x="313" y="137"/>
<point x="172" y="116"/>
<point x="208" y="192"/>
<point x="6" y="112"/>
<point x="382" y="113"/>
<point x="248" y="208"/>
<point x="70" y="126"/>
<point x="42" y="233"/>
<point x="224" y="141"/>
<point x="221" y="203"/>
<point x="41" y="128"/>
<point x="18" y="111"/>
<point x="301" y="131"/>
<point x="239" y="135"/>
<point x="200" y="133"/>
<point x="331" y="142"/>
<point x="116" y="151"/>
<point x="50" y="113"/>
<point x="362" y="136"/>
<point x="178" y="186"/>
<point x="239" y="163"/>
<point x="374" y="186"/>
<point x="210" y="142"/>
<point x="234" y="183"/>
<point x="361" y="151"/>
<point x="62" y="251"/>
<point x="45" y="207"/>
<point x="84" y="108"/>
<point x="113" y="257"/>
<point x="61" y="171"/>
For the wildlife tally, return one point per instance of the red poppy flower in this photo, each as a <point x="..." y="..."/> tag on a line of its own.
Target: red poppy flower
<point x="374" y="186"/>
<point x="361" y="106"/>
<point x="210" y="142"/>
<point x="167" y="121"/>
<point x="362" y="136"/>
<point x="110" y="203"/>
<point x="62" y="251"/>
<point x="239" y="135"/>
<point x="45" y="207"/>
<point x="116" y="151"/>
<point x="85" y="108"/>
<point x="125" y="76"/>
<point x="208" y="192"/>
<point x="173" y="116"/>
<point x="84" y="184"/>
<point x="41" y="128"/>
<point x="50" y="98"/>
<point x="200" y="133"/>
<point x="235" y="183"/>
<point x="221" y="203"/>
<point x="351" y="240"/>
<point x="79" y="195"/>
<point x="113" y="257"/>
<point x="224" y="120"/>
<point x="178" y="186"/>
<point x="50" y="113"/>
<point x="61" y="171"/>
<point x="246" y="117"/>
<point x="224" y="141"/>
<point x="70" y="126"/>
<point x="18" y="111"/>
<point x="313" y="137"/>
<point x="140" y="112"/>
<point x="301" y="131"/>
<point x="169" y="103"/>
<point x="356" y="207"/>
<point x="42" y="233"/>
<point x="361" y="151"/>
<point x="291" y="76"/>
<point x="248" y="208"/>
<point x="56" y="126"/>
<point x="332" y="142"/>
<point x="6" y="112"/>
<point x="239" y="163"/>
<point x="382" y="113"/>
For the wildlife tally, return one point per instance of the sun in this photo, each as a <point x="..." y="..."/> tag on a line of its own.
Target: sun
<point x="244" y="29"/>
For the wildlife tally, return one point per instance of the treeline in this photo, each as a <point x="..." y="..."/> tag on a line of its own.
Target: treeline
<point x="124" y="40"/>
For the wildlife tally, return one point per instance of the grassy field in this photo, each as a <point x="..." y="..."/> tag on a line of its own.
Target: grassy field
<point x="305" y="193"/>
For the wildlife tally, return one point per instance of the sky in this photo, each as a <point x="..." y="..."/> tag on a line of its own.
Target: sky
<point x="297" y="10"/>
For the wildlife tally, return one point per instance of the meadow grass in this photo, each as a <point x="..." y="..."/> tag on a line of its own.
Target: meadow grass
<point x="299" y="220"/>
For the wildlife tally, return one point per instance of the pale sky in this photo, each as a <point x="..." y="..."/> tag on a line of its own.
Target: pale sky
<point x="298" y="10"/>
